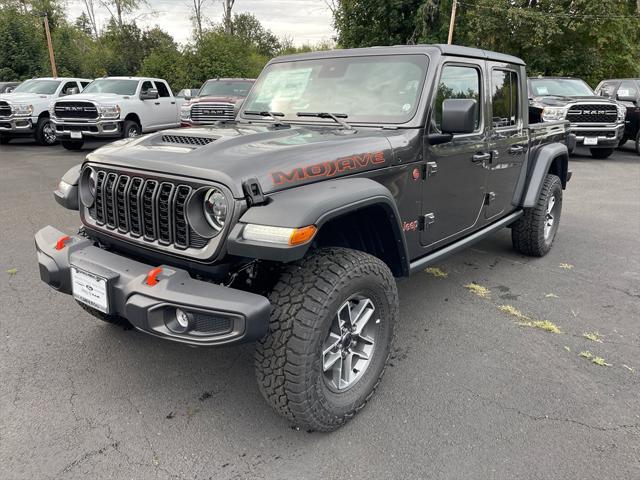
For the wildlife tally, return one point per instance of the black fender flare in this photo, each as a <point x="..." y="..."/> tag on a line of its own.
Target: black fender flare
<point x="67" y="192"/>
<point x="545" y="157"/>
<point x="315" y="204"/>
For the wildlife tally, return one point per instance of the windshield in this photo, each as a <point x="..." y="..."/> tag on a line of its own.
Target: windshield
<point x="43" y="87"/>
<point x="562" y="87"/>
<point x="225" y="88"/>
<point x="375" y="89"/>
<point x="111" y="85"/>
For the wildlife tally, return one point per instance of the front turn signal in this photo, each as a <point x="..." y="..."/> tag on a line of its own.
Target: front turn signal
<point x="279" y="235"/>
<point x="302" y="235"/>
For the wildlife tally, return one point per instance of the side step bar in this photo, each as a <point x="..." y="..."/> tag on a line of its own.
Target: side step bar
<point x="441" y="254"/>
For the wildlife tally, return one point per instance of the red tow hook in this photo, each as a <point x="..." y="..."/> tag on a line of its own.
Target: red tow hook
<point x="61" y="242"/>
<point x="152" y="276"/>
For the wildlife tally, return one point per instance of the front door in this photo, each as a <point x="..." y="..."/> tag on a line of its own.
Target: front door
<point x="508" y="139"/>
<point x="454" y="190"/>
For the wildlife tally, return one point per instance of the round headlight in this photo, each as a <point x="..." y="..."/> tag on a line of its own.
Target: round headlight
<point x="88" y="183"/>
<point x="93" y="177"/>
<point x="216" y="208"/>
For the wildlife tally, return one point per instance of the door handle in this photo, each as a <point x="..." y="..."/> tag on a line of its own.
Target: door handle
<point x="157" y="103"/>
<point x="481" y="157"/>
<point x="173" y="103"/>
<point x="516" y="149"/>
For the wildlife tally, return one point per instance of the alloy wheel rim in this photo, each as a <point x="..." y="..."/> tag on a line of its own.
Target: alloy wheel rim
<point x="348" y="349"/>
<point x="550" y="217"/>
<point x="49" y="133"/>
<point x="133" y="132"/>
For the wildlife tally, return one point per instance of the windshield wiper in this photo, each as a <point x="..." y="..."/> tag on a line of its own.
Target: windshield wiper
<point x="272" y="115"/>
<point x="333" y="116"/>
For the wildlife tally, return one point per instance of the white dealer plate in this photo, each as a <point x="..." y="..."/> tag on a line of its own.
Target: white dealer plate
<point x="90" y="289"/>
<point x="76" y="134"/>
<point x="590" y="140"/>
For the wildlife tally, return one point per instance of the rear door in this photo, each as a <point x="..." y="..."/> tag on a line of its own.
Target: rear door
<point x="454" y="190"/>
<point x="508" y="137"/>
<point x="168" y="110"/>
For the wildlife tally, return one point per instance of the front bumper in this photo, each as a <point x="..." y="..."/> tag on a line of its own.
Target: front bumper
<point x="17" y="125"/>
<point x="92" y="128"/>
<point x="219" y="315"/>
<point x="608" y="136"/>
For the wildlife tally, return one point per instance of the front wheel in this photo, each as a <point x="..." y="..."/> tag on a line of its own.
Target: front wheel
<point x="534" y="232"/>
<point x="601" y="153"/>
<point x="4" y="139"/>
<point x="45" y="132"/>
<point x="73" y="145"/>
<point x="329" y="338"/>
<point x="130" y="129"/>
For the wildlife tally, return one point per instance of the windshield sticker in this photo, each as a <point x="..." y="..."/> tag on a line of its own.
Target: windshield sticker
<point x="328" y="169"/>
<point x="542" y="90"/>
<point x="286" y="85"/>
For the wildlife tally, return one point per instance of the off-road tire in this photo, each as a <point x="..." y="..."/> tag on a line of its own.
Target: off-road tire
<point x="304" y="302"/>
<point x="623" y="140"/>
<point x="112" y="319"/>
<point x="73" y="145"/>
<point x="128" y="127"/>
<point x="40" y="134"/>
<point x="4" y="140"/>
<point x="527" y="233"/>
<point x="601" y="153"/>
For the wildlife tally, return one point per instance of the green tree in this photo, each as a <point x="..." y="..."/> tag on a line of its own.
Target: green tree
<point x="22" y="49"/>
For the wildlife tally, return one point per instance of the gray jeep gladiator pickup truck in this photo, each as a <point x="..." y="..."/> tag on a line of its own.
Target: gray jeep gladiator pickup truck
<point x="288" y="226"/>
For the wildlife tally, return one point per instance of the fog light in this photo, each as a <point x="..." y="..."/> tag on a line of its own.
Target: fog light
<point x="182" y="318"/>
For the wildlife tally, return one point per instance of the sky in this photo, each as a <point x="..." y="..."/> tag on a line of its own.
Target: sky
<point x="305" y="21"/>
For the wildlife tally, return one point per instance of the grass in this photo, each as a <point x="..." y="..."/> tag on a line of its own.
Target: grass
<point x="586" y="354"/>
<point x="479" y="290"/>
<point x="525" y="321"/>
<point x="600" y="361"/>
<point x="566" y="266"/>
<point x="593" y="336"/>
<point x="436" y="272"/>
<point x="12" y="271"/>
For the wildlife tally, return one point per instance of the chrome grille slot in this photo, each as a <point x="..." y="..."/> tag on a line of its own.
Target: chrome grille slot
<point x="122" y="212"/>
<point x="149" y="209"/>
<point x="181" y="229"/>
<point x="134" y="207"/>
<point x="165" y="195"/>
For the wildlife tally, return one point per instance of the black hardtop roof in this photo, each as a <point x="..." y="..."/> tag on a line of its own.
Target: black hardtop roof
<point x="453" y="50"/>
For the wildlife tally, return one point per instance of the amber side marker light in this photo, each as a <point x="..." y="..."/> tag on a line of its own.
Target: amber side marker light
<point x="279" y="235"/>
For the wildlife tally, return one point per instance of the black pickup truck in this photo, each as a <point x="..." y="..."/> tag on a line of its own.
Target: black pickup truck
<point x="627" y="92"/>
<point x="596" y="122"/>
<point x="288" y="226"/>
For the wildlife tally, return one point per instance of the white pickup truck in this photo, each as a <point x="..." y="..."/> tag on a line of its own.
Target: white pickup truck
<point x="25" y="111"/>
<point x="115" y="107"/>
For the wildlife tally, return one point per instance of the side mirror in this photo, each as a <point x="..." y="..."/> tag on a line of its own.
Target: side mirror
<point x="72" y="91"/>
<point x="459" y="115"/>
<point x="9" y="89"/>
<point x="151" y="94"/>
<point x="627" y="98"/>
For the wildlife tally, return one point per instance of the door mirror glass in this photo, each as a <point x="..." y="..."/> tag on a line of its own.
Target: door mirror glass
<point x="459" y="115"/>
<point x="150" y="94"/>
<point x="72" y="91"/>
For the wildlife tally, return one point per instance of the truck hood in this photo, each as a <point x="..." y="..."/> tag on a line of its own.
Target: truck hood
<point x="20" y="97"/>
<point x="96" y="97"/>
<point x="559" y="101"/>
<point x="278" y="157"/>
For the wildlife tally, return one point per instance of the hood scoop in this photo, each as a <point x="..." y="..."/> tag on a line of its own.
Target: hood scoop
<point x="186" y="140"/>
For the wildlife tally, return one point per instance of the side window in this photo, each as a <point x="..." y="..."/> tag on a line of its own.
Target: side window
<point x="628" y="88"/>
<point x="84" y="84"/>
<point x="504" y="97"/>
<point x="457" y="82"/>
<point x="67" y="87"/>
<point x="607" y="89"/>
<point x="146" y="85"/>
<point x="163" y="90"/>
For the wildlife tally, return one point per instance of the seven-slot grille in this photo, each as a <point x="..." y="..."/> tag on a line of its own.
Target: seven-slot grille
<point x="5" y="109"/>
<point x="602" y="113"/>
<point x="83" y="110"/>
<point x="146" y="209"/>
<point x="212" y="112"/>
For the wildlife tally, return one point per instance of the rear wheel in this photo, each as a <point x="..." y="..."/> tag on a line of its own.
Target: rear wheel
<point x="329" y="337"/>
<point x="45" y="132"/>
<point x="4" y="139"/>
<point x="623" y="140"/>
<point x="601" y="153"/>
<point x="534" y="232"/>
<point x="74" y="145"/>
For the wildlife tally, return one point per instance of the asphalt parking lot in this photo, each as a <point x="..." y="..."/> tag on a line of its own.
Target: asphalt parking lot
<point x="470" y="393"/>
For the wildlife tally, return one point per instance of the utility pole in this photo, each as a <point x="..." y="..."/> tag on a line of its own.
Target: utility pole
<point x="453" y="20"/>
<point x="52" y="59"/>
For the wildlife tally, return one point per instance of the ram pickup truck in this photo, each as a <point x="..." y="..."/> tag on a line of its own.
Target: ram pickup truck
<point x="219" y="99"/>
<point x="114" y="107"/>
<point x="344" y="171"/>
<point x="597" y="122"/>
<point x="25" y="111"/>
<point x="627" y="92"/>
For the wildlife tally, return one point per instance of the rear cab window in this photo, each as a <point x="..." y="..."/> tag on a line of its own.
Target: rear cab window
<point x="163" y="89"/>
<point x="505" y="98"/>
